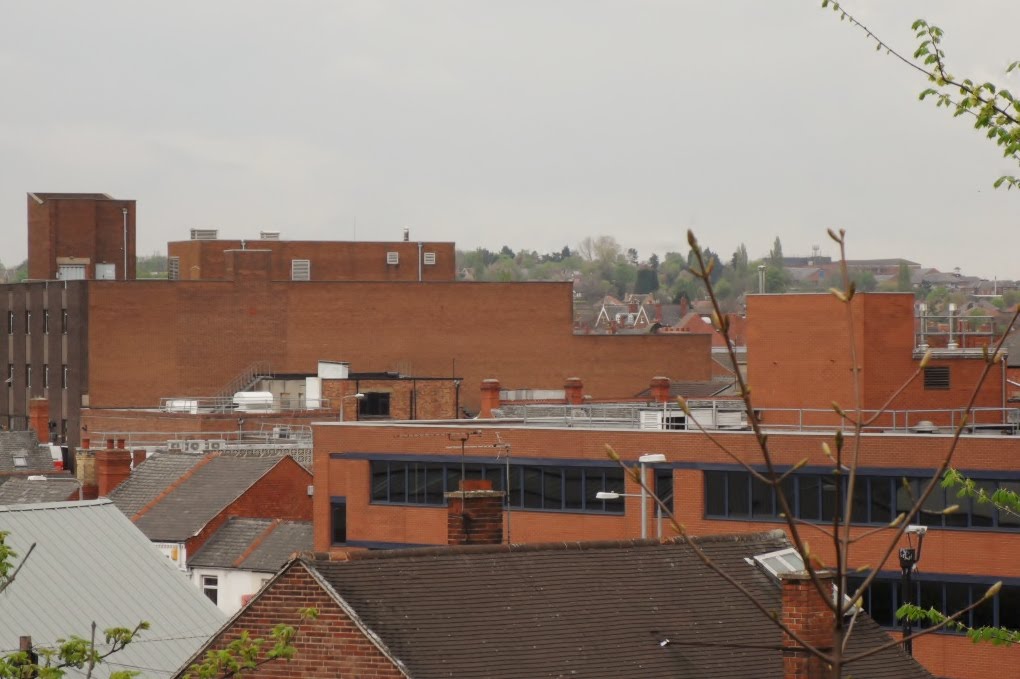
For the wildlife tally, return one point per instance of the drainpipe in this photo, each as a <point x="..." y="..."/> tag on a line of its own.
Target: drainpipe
<point x="124" y="211"/>
<point x="420" y="245"/>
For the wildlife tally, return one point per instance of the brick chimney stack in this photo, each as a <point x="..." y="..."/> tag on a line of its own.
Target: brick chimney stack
<point x="474" y="514"/>
<point x="112" y="467"/>
<point x="490" y="397"/>
<point x="39" y="418"/>
<point x="573" y="390"/>
<point x="809" y="615"/>
<point x="660" y="389"/>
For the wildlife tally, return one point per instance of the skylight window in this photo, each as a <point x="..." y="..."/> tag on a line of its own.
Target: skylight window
<point x="20" y="461"/>
<point x="782" y="561"/>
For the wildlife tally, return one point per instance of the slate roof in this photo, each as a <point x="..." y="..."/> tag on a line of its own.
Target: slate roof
<point x="212" y="485"/>
<point x="594" y="610"/>
<point x="23" y="444"/>
<point x="91" y="564"/>
<point x="275" y="543"/>
<point x="151" y="478"/>
<point x="21" y="490"/>
<point x="693" y="388"/>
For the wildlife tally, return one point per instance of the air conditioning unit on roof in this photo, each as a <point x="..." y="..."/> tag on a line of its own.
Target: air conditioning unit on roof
<point x="195" y="446"/>
<point x="215" y="444"/>
<point x="176" y="445"/>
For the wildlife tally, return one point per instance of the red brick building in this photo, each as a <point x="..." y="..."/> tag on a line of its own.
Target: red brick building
<point x="798" y="357"/>
<point x="382" y="485"/>
<point x="207" y="259"/>
<point x="75" y="236"/>
<point x="128" y="344"/>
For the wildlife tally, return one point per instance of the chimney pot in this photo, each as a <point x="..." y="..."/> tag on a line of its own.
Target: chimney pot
<point x="660" y="389"/>
<point x="490" y="397"/>
<point x="573" y="390"/>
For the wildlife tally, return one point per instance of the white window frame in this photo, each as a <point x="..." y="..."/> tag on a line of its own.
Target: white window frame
<point x="211" y="588"/>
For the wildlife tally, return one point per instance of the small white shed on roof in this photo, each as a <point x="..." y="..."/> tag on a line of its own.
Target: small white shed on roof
<point x="90" y="563"/>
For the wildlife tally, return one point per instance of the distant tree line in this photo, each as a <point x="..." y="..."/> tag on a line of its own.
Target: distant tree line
<point x="601" y="266"/>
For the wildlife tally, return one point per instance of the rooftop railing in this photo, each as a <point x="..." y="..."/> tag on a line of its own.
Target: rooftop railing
<point x="226" y="404"/>
<point x="267" y="435"/>
<point x="724" y="414"/>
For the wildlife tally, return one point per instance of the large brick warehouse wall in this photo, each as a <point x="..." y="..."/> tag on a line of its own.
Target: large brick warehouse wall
<point x="150" y="339"/>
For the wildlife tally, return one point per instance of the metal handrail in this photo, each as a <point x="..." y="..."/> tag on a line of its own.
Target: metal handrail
<point x="226" y="404"/>
<point x="268" y="434"/>
<point x="251" y="374"/>
<point x="627" y="416"/>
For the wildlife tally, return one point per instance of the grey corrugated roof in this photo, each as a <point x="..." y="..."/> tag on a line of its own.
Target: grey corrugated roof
<point x="24" y="444"/>
<point x="22" y="490"/>
<point x="276" y="541"/>
<point x="150" y="479"/>
<point x="596" y="610"/>
<point x="210" y="487"/>
<point x="91" y="564"/>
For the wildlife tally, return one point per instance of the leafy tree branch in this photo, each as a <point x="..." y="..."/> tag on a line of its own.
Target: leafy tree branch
<point x="995" y="109"/>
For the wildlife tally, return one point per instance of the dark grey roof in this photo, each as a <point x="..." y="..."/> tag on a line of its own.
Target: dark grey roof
<point x="596" y="610"/>
<point x="274" y="543"/>
<point x="21" y="490"/>
<point x="693" y="389"/>
<point x="91" y="564"/>
<point x="150" y="479"/>
<point x="23" y="444"/>
<point x="210" y="487"/>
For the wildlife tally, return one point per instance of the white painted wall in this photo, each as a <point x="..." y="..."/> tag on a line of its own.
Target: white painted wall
<point x="233" y="584"/>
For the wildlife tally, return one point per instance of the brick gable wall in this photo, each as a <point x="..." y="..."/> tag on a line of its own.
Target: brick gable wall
<point x="329" y="646"/>
<point x="281" y="494"/>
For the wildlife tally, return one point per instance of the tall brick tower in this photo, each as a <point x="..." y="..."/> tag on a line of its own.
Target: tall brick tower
<point x="80" y="236"/>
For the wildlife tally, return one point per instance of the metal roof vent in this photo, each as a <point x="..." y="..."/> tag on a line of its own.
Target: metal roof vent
<point x="269" y="235"/>
<point x="205" y="234"/>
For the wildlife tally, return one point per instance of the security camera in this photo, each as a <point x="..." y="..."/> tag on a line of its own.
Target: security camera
<point x="916" y="530"/>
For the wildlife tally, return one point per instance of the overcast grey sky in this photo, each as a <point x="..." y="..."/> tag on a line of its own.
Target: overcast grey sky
<point x="531" y="123"/>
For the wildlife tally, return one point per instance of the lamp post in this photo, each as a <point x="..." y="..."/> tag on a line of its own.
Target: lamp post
<point x="908" y="562"/>
<point x="650" y="458"/>
<point x="357" y="396"/>
<point x="643" y="461"/>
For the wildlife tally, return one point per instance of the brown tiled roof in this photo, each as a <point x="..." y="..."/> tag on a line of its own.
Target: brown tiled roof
<point x="595" y="610"/>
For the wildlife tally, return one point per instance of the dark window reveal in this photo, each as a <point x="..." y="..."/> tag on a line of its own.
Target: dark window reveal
<point x="541" y="487"/>
<point x="375" y="404"/>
